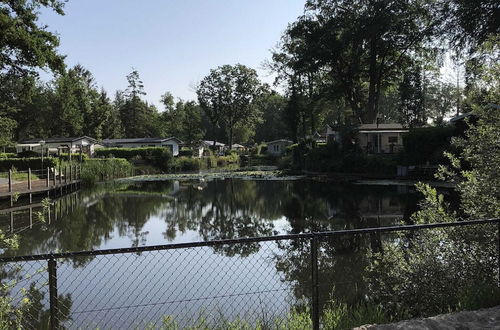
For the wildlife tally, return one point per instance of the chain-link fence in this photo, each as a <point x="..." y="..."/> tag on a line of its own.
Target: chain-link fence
<point x="280" y="282"/>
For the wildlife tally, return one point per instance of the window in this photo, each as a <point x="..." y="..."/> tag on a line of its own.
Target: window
<point x="393" y="139"/>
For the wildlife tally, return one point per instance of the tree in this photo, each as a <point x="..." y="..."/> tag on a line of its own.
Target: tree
<point x="411" y="95"/>
<point x="227" y="96"/>
<point x="191" y="129"/>
<point x="173" y="115"/>
<point x="24" y="44"/>
<point x="273" y="126"/>
<point x="7" y="127"/>
<point x="359" y="45"/>
<point x="138" y="117"/>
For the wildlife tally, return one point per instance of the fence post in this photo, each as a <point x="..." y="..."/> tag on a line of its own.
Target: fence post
<point x="314" y="282"/>
<point x="29" y="178"/>
<point x="47" y="179"/>
<point x="54" y="311"/>
<point x="10" y="188"/>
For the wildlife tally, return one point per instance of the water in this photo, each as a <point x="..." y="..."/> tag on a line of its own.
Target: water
<point x="255" y="281"/>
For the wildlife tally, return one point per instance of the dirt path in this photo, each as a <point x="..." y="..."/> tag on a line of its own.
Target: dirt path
<point x="488" y="318"/>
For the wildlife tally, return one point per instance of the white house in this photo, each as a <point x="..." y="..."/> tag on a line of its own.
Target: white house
<point x="219" y="146"/>
<point x="381" y="138"/>
<point x="374" y="138"/>
<point x="277" y="147"/>
<point x="84" y="144"/>
<point x="172" y="143"/>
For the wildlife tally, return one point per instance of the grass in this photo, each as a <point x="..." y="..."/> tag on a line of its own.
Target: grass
<point x="255" y="175"/>
<point x="19" y="176"/>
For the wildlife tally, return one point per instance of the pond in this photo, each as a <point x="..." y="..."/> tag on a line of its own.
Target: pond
<point x="255" y="281"/>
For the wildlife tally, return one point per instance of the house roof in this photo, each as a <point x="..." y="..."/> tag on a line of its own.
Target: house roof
<point x="57" y="140"/>
<point x="236" y="145"/>
<point x="382" y="128"/>
<point x="211" y="143"/>
<point x="280" y="141"/>
<point x="460" y="117"/>
<point x="140" y="140"/>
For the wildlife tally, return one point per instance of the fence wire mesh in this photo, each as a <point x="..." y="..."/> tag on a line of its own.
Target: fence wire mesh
<point x="262" y="281"/>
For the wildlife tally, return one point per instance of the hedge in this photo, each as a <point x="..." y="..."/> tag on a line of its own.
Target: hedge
<point x="23" y="164"/>
<point x="159" y="157"/>
<point x="65" y="156"/>
<point x="426" y="145"/>
<point x="8" y="155"/>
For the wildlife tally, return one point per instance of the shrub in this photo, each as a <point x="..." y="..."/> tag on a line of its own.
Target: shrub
<point x="22" y="164"/>
<point x="159" y="157"/>
<point x="65" y="156"/>
<point x="231" y="158"/>
<point x="97" y="169"/>
<point x="427" y="144"/>
<point x="186" y="152"/>
<point x="7" y="155"/>
<point x="27" y="154"/>
<point x="183" y="163"/>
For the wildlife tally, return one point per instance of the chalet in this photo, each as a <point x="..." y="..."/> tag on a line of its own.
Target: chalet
<point x="172" y="143"/>
<point x="237" y="147"/>
<point x="219" y="146"/>
<point x="84" y="144"/>
<point x="374" y="138"/>
<point x="277" y="147"/>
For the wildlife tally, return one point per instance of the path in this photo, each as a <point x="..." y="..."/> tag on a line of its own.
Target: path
<point x="488" y="318"/>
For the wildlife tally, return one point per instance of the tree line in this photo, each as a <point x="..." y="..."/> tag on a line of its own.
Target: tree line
<point x="340" y="63"/>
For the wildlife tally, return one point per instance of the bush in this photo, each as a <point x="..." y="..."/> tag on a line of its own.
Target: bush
<point x="156" y="156"/>
<point x="7" y="155"/>
<point x="22" y="164"/>
<point x="96" y="169"/>
<point x="28" y="154"/>
<point x="65" y="157"/>
<point x="232" y="158"/>
<point x="427" y="144"/>
<point x="186" y="152"/>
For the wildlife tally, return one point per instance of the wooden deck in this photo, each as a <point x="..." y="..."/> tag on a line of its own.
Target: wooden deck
<point x="56" y="181"/>
<point x="37" y="186"/>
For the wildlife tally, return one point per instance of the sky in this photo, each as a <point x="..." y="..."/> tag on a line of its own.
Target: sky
<point x="172" y="43"/>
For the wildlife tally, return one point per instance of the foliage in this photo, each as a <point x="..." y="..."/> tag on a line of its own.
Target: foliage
<point x="330" y="158"/>
<point x="227" y="96"/>
<point x="183" y="163"/>
<point x="426" y="144"/>
<point x="23" y="164"/>
<point x="159" y="157"/>
<point x="25" y="44"/>
<point x="95" y="170"/>
<point x="412" y="98"/>
<point x="7" y="127"/>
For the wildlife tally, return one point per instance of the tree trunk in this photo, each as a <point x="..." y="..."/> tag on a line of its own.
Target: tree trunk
<point x="371" y="110"/>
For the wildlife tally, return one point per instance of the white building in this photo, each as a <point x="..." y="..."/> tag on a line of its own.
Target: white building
<point x="172" y="143"/>
<point x="374" y="138"/>
<point x="277" y="147"/>
<point x="73" y="145"/>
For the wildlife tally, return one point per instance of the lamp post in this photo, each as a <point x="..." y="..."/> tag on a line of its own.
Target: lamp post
<point x="41" y="142"/>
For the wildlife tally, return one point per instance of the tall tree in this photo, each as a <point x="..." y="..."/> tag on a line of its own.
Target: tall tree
<point x="227" y="95"/>
<point x="411" y="94"/>
<point x="25" y="45"/>
<point x="138" y="117"/>
<point x="191" y="129"/>
<point x="361" y="45"/>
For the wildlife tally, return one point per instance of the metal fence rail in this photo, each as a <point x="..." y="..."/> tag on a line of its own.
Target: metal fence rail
<point x="211" y="282"/>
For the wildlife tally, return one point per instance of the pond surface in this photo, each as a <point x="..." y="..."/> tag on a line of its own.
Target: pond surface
<point x="160" y="212"/>
<point x="255" y="281"/>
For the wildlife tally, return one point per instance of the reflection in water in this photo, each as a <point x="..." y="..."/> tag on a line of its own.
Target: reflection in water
<point x="354" y="269"/>
<point x="201" y="210"/>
